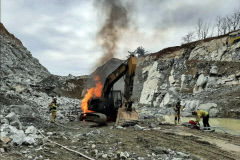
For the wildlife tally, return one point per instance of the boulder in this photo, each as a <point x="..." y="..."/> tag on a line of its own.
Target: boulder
<point x="13" y="133"/>
<point x="168" y="100"/>
<point x="12" y="117"/>
<point x="29" y="140"/>
<point x="189" y="106"/>
<point x="4" y="121"/>
<point x="21" y="109"/>
<point x="202" y="80"/>
<point x="31" y="130"/>
<point x="212" y="81"/>
<point x="18" y="137"/>
<point x="16" y="124"/>
<point x="14" y="121"/>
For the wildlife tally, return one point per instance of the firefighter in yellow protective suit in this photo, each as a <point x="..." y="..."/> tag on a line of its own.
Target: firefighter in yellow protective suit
<point x="53" y="108"/>
<point x="202" y="114"/>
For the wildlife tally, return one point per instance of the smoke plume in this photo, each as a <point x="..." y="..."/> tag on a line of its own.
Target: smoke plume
<point x="116" y="21"/>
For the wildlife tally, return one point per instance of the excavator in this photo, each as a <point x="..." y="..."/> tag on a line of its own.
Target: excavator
<point x="112" y="106"/>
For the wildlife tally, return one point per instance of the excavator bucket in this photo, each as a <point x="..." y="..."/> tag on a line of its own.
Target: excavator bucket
<point x="125" y="117"/>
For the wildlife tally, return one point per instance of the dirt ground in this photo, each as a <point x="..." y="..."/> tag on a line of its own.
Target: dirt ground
<point x="151" y="140"/>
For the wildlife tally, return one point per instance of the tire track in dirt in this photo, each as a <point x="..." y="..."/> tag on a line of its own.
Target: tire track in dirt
<point x="188" y="144"/>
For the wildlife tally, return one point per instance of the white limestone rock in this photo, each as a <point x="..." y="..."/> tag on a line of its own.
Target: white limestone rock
<point x="169" y="100"/>
<point x="151" y="84"/>
<point x="189" y="106"/>
<point x="29" y="140"/>
<point x="18" y="137"/>
<point x="31" y="130"/>
<point x="201" y="80"/>
<point x="12" y="117"/>
<point x="21" y="109"/>
<point x="13" y="120"/>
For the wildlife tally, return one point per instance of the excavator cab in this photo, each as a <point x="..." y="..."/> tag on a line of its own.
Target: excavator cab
<point x="108" y="105"/>
<point x="115" y="98"/>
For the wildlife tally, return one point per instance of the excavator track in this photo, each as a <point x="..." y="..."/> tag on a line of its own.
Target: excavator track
<point x="98" y="118"/>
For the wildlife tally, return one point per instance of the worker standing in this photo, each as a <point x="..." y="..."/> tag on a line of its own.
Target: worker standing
<point x="202" y="114"/>
<point x="53" y="108"/>
<point x="177" y="109"/>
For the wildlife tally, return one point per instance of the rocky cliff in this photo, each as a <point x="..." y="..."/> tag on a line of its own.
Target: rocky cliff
<point x="20" y="77"/>
<point x="203" y="74"/>
<point x="18" y="67"/>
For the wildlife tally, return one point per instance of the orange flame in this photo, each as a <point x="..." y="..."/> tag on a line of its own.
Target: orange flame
<point x="92" y="92"/>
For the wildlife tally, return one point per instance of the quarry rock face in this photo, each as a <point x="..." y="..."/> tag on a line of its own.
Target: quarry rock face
<point x="202" y="75"/>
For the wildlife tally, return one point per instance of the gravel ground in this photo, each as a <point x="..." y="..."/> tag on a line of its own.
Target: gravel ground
<point x="147" y="140"/>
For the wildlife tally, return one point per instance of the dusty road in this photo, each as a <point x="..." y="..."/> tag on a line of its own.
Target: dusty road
<point x="152" y="141"/>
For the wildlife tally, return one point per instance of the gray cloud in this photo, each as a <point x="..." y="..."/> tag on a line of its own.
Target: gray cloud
<point x="58" y="34"/>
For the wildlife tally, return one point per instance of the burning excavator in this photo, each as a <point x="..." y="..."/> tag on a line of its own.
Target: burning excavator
<point x="108" y="104"/>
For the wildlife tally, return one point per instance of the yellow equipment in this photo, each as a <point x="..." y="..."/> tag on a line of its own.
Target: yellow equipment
<point x="233" y="37"/>
<point x="111" y="103"/>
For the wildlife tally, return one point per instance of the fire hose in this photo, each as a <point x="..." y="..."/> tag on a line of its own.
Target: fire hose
<point x="222" y="129"/>
<point x="82" y="155"/>
<point x="188" y="124"/>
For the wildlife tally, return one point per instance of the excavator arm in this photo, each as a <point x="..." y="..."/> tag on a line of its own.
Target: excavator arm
<point x="128" y="69"/>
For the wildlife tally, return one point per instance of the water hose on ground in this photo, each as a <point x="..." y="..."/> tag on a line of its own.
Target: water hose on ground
<point x="82" y="155"/>
<point x="222" y="129"/>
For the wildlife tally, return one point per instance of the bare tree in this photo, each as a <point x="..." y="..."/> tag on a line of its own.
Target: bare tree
<point x="202" y="29"/>
<point x="188" y="38"/>
<point x="218" y="25"/>
<point x="199" y="28"/>
<point x="229" y="23"/>
<point x="235" y="20"/>
<point x="224" y="25"/>
<point x="205" y="30"/>
<point x="211" y="30"/>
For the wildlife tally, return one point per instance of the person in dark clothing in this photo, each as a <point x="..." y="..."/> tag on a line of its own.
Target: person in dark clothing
<point x="177" y="109"/>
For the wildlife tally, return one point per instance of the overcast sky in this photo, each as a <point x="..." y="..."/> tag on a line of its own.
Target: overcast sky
<point x="62" y="33"/>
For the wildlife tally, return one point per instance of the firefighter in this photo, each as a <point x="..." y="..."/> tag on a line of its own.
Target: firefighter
<point x="202" y="114"/>
<point x="177" y="109"/>
<point x="53" y="108"/>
